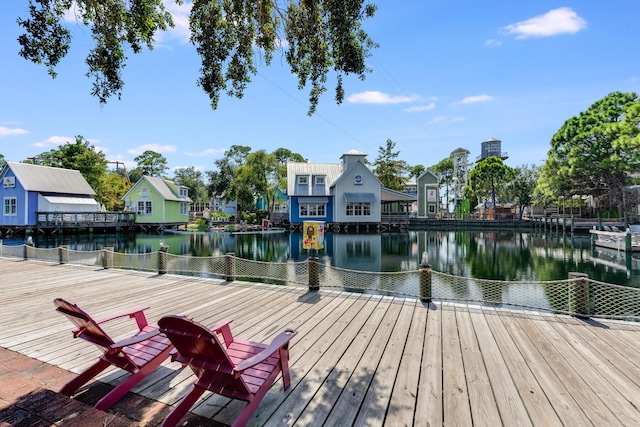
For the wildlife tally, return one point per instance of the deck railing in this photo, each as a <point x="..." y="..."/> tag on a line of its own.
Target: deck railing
<point x="84" y="219"/>
<point x="577" y="295"/>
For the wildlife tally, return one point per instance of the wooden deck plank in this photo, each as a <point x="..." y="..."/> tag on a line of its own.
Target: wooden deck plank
<point x="481" y="395"/>
<point x="429" y="411"/>
<point x="403" y="401"/>
<point x="397" y="361"/>
<point x="457" y="410"/>
<point x="597" y="412"/>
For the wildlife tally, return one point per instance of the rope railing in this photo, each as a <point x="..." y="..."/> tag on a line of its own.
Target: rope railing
<point x="577" y="295"/>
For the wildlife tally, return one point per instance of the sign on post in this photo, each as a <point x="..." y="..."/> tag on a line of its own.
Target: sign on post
<point x="313" y="235"/>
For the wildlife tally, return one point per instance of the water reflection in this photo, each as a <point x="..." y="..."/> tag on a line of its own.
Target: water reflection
<point x="505" y="255"/>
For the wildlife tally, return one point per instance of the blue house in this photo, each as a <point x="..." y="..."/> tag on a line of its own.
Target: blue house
<point x="27" y="189"/>
<point x="346" y="192"/>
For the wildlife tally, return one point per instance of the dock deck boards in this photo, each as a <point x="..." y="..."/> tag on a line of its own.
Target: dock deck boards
<point x="358" y="359"/>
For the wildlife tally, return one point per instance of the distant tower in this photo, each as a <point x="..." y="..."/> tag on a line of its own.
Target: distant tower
<point x="460" y="158"/>
<point x="492" y="147"/>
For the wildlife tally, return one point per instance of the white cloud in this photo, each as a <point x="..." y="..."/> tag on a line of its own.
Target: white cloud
<point x="557" y="21"/>
<point x="475" y="99"/>
<point x="54" y="141"/>
<point x="446" y="119"/>
<point x="207" y="152"/>
<point x="375" y="97"/>
<point x="492" y="42"/>
<point x="180" y="15"/>
<point x="152" y="147"/>
<point x="4" y="131"/>
<point x="419" y="108"/>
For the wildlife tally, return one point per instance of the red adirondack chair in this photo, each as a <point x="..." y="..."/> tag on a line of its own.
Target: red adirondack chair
<point x="140" y="354"/>
<point x="230" y="367"/>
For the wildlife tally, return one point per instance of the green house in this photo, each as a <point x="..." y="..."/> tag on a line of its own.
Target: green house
<point x="428" y="195"/>
<point x="158" y="202"/>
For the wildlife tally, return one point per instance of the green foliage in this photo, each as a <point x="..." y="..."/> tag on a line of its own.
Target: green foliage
<point x="390" y="171"/>
<point x="151" y="164"/>
<point x="111" y="190"/>
<point x="444" y="171"/>
<point x="80" y="156"/>
<point x="192" y="179"/>
<point x="322" y="37"/>
<point x="2" y="161"/>
<point x="594" y="152"/>
<point x="416" y="171"/>
<point x="520" y="189"/>
<point x="489" y="178"/>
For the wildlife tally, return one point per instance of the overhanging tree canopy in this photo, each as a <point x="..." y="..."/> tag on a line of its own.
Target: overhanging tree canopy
<point x="594" y="152"/>
<point x="321" y="36"/>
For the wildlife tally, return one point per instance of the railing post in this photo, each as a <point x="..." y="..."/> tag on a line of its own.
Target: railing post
<point x="229" y="266"/>
<point x="63" y="254"/>
<point x="313" y="266"/>
<point x="28" y="248"/>
<point x="425" y="279"/>
<point x="579" y="295"/>
<point x="107" y="257"/>
<point x="627" y="241"/>
<point x="162" y="259"/>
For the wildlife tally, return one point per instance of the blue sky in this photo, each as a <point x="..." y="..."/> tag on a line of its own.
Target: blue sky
<point x="448" y="74"/>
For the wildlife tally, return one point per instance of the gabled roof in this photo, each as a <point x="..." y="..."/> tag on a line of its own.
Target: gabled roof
<point x="331" y="172"/>
<point x="45" y="179"/>
<point x="354" y="165"/>
<point x="169" y="190"/>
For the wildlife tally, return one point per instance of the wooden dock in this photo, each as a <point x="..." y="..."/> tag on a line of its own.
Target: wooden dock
<point x="359" y="359"/>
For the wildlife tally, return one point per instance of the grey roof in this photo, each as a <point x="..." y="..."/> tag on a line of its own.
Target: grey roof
<point x="164" y="187"/>
<point x="44" y="179"/>
<point x="389" y="195"/>
<point x="331" y="172"/>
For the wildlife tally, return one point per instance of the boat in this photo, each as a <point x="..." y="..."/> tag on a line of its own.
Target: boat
<point x="616" y="239"/>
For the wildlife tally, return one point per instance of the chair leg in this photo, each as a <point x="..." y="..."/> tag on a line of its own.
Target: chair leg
<point x="123" y="388"/>
<point x="181" y="409"/>
<point x="69" y="388"/>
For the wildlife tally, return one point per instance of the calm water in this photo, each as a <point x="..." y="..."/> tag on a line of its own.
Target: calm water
<point x="509" y="255"/>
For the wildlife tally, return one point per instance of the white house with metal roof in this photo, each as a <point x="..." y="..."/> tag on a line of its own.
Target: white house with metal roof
<point x="27" y="189"/>
<point x="346" y="192"/>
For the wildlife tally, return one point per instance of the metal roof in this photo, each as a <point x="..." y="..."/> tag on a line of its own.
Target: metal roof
<point x="331" y="172"/>
<point x="164" y="187"/>
<point x="45" y="179"/>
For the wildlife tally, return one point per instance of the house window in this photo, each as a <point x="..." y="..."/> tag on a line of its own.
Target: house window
<point x="359" y="209"/>
<point x="319" y="180"/>
<point x="303" y="180"/>
<point x="184" y="191"/>
<point x="10" y="206"/>
<point x="313" y="209"/>
<point x="432" y="209"/>
<point x="184" y="208"/>
<point x="145" y="207"/>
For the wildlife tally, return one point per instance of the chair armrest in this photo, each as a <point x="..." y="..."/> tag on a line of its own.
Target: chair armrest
<point x="222" y="327"/>
<point x="136" y="339"/>
<point x="278" y="342"/>
<point x="137" y="313"/>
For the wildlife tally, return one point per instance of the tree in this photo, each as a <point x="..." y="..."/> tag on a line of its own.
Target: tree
<point x="594" y="152"/>
<point x="322" y="37"/>
<point x="2" y="161"/>
<point x="192" y="179"/>
<point x="390" y="171"/>
<point x="151" y="164"/>
<point x="80" y="156"/>
<point x="488" y="178"/>
<point x="257" y="178"/>
<point x="113" y="187"/>
<point x="416" y="171"/>
<point x="520" y="189"/>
